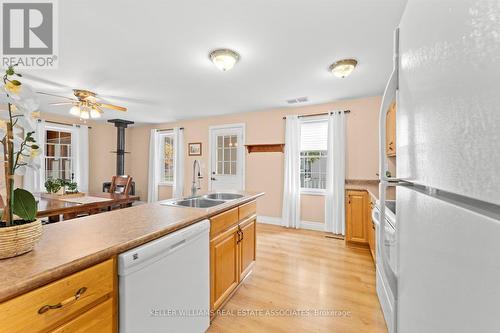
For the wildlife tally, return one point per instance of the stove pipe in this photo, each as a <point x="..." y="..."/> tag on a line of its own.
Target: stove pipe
<point x="120" y="125"/>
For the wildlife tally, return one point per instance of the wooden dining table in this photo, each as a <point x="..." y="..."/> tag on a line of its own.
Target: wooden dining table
<point x="54" y="208"/>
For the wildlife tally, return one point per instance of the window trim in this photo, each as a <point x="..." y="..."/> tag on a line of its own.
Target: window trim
<point x="162" y="181"/>
<point x="313" y="191"/>
<point x="57" y="128"/>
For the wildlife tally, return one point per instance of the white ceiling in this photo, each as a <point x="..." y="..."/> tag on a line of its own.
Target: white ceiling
<point x="152" y="56"/>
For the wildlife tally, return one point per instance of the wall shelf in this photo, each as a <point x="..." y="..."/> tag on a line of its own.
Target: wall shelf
<point x="266" y="148"/>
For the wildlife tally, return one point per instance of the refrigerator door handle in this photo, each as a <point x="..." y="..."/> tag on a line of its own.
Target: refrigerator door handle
<point x="390" y="95"/>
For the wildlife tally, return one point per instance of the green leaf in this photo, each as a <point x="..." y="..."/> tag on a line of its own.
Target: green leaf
<point x="34" y="147"/>
<point x="25" y="205"/>
<point x="10" y="71"/>
<point x="15" y="82"/>
<point x="19" y="75"/>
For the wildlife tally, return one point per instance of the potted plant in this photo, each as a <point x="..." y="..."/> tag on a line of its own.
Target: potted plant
<point x="19" y="227"/>
<point x="55" y="185"/>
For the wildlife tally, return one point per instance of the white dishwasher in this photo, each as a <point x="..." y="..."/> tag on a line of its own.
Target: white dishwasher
<point x="164" y="284"/>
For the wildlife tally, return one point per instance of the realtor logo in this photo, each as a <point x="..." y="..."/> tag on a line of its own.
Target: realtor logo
<point x="29" y="33"/>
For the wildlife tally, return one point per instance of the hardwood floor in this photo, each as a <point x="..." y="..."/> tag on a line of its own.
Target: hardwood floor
<point x="304" y="270"/>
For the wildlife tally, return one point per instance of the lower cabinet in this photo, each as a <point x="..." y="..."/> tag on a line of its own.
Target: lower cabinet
<point x="232" y="251"/>
<point x="360" y="229"/>
<point x="247" y="246"/>
<point x="356" y="216"/>
<point x="81" y="302"/>
<point x="370" y="227"/>
<point x="95" y="320"/>
<point x="224" y="265"/>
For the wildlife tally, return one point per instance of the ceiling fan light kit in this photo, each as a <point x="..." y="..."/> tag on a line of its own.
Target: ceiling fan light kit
<point x="85" y="105"/>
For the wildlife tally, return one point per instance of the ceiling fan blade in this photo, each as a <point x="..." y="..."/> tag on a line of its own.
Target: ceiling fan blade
<point x="62" y="103"/>
<point x="139" y="100"/>
<point x="53" y="95"/>
<point x="111" y="106"/>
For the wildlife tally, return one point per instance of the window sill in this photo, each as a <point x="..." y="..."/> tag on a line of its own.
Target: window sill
<point x="313" y="192"/>
<point x="166" y="184"/>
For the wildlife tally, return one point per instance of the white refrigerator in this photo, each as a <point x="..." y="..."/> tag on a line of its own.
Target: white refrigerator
<point x="446" y="83"/>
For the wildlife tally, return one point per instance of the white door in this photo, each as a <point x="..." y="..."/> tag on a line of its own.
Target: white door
<point x="227" y="157"/>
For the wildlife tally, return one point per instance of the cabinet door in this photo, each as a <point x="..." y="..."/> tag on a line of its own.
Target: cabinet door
<point x="98" y="319"/>
<point x="370" y="228"/>
<point x="224" y="269"/>
<point x="390" y="137"/>
<point x="247" y="246"/>
<point x="357" y="202"/>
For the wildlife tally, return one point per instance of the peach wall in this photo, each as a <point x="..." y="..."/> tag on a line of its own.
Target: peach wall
<point x="102" y="140"/>
<point x="264" y="171"/>
<point x="102" y="163"/>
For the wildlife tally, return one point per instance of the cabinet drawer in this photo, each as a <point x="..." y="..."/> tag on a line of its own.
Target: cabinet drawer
<point x="247" y="210"/>
<point x="25" y="314"/>
<point x="99" y="319"/>
<point x="223" y="221"/>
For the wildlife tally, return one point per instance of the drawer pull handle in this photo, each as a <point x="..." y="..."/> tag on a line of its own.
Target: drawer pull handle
<point x="72" y="299"/>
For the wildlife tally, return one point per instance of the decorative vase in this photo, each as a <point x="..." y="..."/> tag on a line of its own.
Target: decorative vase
<point x="19" y="239"/>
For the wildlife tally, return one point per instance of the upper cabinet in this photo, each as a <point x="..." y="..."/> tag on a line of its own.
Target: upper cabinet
<point x="390" y="135"/>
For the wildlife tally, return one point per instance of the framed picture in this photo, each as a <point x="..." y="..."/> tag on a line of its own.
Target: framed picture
<point x="195" y="149"/>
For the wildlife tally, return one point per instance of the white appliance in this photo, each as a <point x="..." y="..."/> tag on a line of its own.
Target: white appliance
<point x="446" y="86"/>
<point x="164" y="284"/>
<point x="384" y="293"/>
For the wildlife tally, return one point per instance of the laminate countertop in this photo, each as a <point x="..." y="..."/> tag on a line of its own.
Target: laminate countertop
<point x="69" y="246"/>
<point x="371" y="186"/>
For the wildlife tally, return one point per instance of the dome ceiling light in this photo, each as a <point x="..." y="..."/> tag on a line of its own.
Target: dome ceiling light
<point x="343" y="68"/>
<point x="224" y="59"/>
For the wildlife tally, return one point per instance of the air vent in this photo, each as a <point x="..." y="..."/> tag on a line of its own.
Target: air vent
<point x="297" y="100"/>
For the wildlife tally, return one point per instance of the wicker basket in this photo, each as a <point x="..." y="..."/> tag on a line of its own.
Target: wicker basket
<point x="19" y="239"/>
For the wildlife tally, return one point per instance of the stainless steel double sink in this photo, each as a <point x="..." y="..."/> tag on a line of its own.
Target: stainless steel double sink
<point x="204" y="201"/>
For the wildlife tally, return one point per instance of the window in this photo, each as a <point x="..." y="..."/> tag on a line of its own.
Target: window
<point x="313" y="155"/>
<point x="227" y="154"/>
<point x="167" y="158"/>
<point x="58" y="154"/>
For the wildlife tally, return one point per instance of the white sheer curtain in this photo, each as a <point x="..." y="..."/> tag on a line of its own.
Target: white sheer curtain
<point x="178" y="188"/>
<point x="154" y="166"/>
<point x="291" y="188"/>
<point x="335" y="174"/>
<point x="33" y="179"/>
<point x="80" y="143"/>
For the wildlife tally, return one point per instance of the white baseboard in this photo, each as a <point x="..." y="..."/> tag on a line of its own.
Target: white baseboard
<point x="269" y="220"/>
<point x="309" y="225"/>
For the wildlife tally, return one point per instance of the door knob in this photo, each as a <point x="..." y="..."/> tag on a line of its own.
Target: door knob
<point x="212" y="178"/>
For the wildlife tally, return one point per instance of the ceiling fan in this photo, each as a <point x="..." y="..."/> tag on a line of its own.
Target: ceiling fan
<point x="86" y="104"/>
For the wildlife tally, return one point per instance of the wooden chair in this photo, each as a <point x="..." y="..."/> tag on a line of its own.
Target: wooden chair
<point x="121" y="184"/>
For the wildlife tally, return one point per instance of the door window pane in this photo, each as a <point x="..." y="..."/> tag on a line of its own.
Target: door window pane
<point x="227" y="154"/>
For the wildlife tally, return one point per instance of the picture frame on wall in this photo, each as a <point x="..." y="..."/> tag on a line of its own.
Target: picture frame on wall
<point x="194" y="149"/>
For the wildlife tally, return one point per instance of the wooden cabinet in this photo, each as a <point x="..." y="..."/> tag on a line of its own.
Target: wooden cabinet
<point x="224" y="266"/>
<point x="356" y="216"/>
<point x="232" y="251"/>
<point x="370" y="227"/>
<point x="390" y="135"/>
<point x="95" y="320"/>
<point x="247" y="246"/>
<point x="56" y="305"/>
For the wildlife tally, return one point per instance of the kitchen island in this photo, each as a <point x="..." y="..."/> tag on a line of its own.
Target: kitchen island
<point x="90" y="244"/>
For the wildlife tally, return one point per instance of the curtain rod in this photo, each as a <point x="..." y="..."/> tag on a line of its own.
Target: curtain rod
<point x="60" y="123"/>
<point x="321" y="114"/>
<point x="167" y="129"/>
